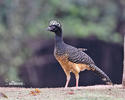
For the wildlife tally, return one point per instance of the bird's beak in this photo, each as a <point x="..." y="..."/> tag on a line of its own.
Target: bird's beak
<point x="48" y="29"/>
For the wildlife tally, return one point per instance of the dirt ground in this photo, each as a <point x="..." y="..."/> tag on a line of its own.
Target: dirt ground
<point x="97" y="92"/>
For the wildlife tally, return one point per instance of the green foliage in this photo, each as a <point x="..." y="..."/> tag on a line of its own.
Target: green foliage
<point x="82" y="19"/>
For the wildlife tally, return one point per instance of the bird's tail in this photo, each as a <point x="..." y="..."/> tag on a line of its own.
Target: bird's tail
<point x="101" y="74"/>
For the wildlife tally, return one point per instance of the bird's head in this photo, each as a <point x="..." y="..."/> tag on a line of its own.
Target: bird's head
<point x="55" y="26"/>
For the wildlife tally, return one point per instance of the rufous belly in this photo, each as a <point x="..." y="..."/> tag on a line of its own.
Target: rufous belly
<point x="70" y="66"/>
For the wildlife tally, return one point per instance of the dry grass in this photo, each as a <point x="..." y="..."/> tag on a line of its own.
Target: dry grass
<point x="98" y="92"/>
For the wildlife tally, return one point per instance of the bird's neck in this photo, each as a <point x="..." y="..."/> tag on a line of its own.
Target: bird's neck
<point x="58" y="40"/>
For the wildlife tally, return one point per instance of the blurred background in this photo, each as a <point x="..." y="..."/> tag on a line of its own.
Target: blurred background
<point x="26" y="48"/>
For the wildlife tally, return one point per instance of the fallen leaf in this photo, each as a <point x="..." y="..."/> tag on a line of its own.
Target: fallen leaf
<point x="70" y="92"/>
<point x="3" y="95"/>
<point x="35" y="92"/>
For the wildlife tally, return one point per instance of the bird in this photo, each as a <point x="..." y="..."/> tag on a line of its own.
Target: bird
<point x="73" y="59"/>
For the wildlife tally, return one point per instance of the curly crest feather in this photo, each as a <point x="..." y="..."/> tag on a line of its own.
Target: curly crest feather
<point x="54" y="22"/>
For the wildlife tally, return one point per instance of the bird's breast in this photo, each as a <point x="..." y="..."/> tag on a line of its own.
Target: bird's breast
<point x="63" y="60"/>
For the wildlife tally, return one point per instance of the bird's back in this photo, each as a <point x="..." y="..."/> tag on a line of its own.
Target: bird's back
<point x="72" y="54"/>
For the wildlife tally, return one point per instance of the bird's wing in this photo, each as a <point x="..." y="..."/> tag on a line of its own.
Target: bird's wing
<point x="78" y="56"/>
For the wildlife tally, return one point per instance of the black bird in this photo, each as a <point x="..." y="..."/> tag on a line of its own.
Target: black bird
<point x="73" y="59"/>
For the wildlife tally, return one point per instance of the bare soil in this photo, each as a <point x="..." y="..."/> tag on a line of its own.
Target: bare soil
<point x="97" y="92"/>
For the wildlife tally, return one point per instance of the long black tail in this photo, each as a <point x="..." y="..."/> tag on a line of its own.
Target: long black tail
<point x="101" y="74"/>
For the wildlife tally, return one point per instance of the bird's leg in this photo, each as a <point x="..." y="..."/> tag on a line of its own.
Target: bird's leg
<point x="68" y="79"/>
<point x="67" y="82"/>
<point x="77" y="79"/>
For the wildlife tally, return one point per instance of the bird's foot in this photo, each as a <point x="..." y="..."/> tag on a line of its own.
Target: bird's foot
<point x="75" y="88"/>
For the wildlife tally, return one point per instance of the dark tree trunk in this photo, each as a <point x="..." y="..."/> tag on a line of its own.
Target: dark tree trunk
<point x="123" y="79"/>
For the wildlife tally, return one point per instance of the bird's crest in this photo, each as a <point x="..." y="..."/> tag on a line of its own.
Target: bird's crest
<point x="54" y="22"/>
